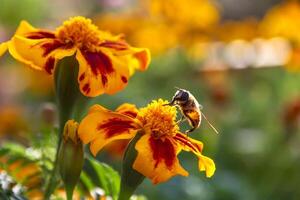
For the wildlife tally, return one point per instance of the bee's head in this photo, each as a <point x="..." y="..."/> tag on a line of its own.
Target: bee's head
<point x="181" y="96"/>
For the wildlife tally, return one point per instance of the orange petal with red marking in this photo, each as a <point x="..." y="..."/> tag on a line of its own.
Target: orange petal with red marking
<point x="40" y="55"/>
<point x="102" y="126"/>
<point x="138" y="58"/>
<point x="27" y="31"/>
<point x="188" y="144"/>
<point x="37" y="48"/>
<point x="128" y="109"/>
<point x="101" y="72"/>
<point x="157" y="159"/>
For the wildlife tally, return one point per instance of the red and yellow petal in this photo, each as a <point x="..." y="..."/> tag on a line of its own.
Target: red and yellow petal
<point x="98" y="108"/>
<point x="137" y="58"/>
<point x="25" y="28"/>
<point x="102" y="126"/>
<point x="188" y="144"/>
<point x="3" y="48"/>
<point x="157" y="159"/>
<point x="37" y="48"/>
<point x="101" y="72"/>
<point x="39" y="54"/>
<point x="128" y="109"/>
<point x="27" y="31"/>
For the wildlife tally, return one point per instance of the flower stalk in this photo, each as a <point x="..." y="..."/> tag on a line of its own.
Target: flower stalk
<point x="67" y="98"/>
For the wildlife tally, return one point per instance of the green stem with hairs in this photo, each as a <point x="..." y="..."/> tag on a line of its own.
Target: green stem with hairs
<point x="67" y="94"/>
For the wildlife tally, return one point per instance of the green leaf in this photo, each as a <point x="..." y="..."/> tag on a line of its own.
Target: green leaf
<point x="101" y="175"/>
<point x="85" y="184"/>
<point x="14" y="148"/>
<point x="12" y="153"/>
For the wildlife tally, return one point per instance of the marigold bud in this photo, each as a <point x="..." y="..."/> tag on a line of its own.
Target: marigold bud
<point x="70" y="157"/>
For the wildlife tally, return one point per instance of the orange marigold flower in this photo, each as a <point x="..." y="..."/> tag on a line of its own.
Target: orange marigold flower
<point x="105" y="61"/>
<point x="159" y="145"/>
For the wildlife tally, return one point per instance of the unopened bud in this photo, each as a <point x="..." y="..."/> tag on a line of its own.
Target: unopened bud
<point x="70" y="157"/>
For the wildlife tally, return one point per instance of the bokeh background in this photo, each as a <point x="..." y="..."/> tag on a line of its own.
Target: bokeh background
<point x="239" y="58"/>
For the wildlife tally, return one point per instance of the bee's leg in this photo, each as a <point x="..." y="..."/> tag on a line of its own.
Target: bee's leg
<point x="172" y="103"/>
<point x="190" y="130"/>
<point x="200" y="107"/>
<point x="182" y="119"/>
<point x="187" y="133"/>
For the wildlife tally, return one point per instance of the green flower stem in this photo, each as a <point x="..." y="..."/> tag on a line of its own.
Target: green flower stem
<point x="130" y="179"/>
<point x="67" y="95"/>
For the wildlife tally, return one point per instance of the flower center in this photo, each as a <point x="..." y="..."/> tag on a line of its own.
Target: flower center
<point x="79" y="31"/>
<point x="159" y="119"/>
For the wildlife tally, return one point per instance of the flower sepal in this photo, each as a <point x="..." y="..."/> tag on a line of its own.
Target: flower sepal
<point x="70" y="157"/>
<point x="130" y="179"/>
<point x="66" y="87"/>
<point x="67" y="90"/>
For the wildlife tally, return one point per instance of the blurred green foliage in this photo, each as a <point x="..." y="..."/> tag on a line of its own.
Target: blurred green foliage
<point x="13" y="11"/>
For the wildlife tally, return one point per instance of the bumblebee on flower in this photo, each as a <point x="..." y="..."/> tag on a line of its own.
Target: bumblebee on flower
<point x="157" y="148"/>
<point x="106" y="62"/>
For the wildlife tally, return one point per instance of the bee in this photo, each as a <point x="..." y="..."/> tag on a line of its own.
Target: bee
<point x="190" y="108"/>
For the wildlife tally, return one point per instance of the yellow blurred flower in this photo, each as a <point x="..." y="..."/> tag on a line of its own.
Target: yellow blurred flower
<point x="293" y="63"/>
<point x="163" y="25"/>
<point x="190" y="13"/>
<point x="151" y="32"/>
<point x="140" y="30"/>
<point x="159" y="145"/>
<point x="102" y="57"/>
<point x="283" y="20"/>
<point x="12" y="123"/>
<point x="246" y="29"/>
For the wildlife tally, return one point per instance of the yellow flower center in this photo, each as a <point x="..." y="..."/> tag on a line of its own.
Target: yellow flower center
<point x="79" y="31"/>
<point x="159" y="119"/>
